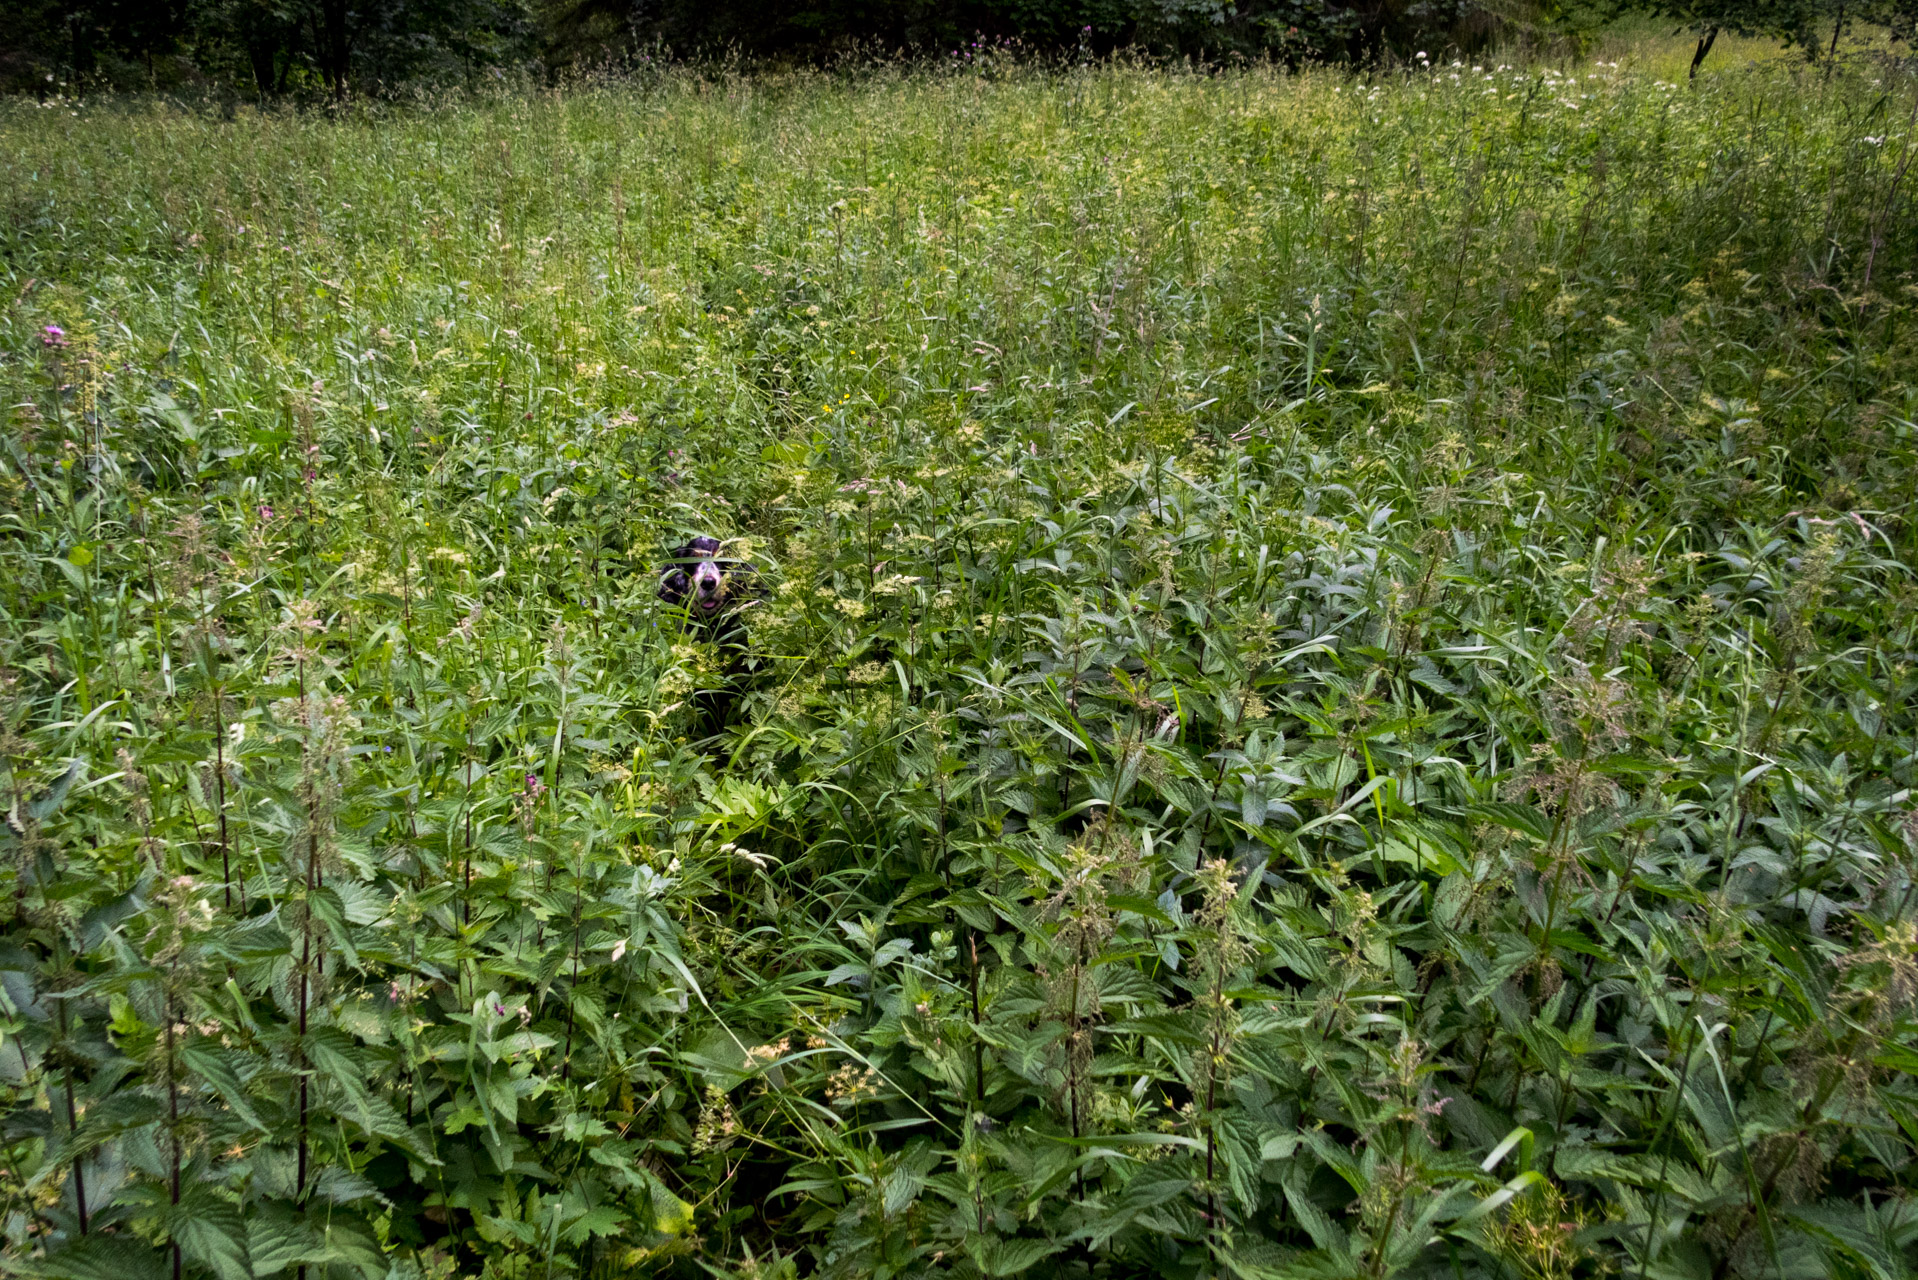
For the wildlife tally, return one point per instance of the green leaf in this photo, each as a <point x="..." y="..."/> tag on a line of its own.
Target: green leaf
<point x="278" y="1240"/>
<point x="601" y="1220"/>
<point x="50" y="801"/>
<point x="1498" y="1199"/>
<point x="1325" y="1233"/>
<point x="671" y="1215"/>
<point x="1525" y="819"/>
<point x="97" y="1257"/>
<point x="1172" y="1028"/>
<point x="1517" y="1136"/>
<point x="330" y="911"/>
<point x="1140" y="1195"/>
<point x="212" y="1234"/>
<point x="1000" y="1257"/>
<point x="212" y="1066"/>
<point x="1238" y="1143"/>
<point x="1141" y="906"/>
<point x="1854" y="1232"/>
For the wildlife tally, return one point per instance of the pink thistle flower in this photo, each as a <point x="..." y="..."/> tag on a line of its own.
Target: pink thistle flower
<point x="53" y="336"/>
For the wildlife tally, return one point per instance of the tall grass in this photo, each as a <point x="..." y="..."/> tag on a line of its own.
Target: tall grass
<point x="1334" y="696"/>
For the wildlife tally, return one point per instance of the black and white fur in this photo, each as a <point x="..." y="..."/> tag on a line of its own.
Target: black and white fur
<point x="708" y="594"/>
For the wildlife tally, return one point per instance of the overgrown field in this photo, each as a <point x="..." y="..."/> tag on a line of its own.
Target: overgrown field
<point x="1335" y="692"/>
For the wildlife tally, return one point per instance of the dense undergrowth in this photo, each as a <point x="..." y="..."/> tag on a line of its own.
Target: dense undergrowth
<point x="1336" y="686"/>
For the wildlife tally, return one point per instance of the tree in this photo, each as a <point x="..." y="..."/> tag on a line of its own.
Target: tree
<point x="1801" y="23"/>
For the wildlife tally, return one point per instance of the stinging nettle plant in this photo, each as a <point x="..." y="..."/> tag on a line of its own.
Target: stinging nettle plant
<point x="1333" y="695"/>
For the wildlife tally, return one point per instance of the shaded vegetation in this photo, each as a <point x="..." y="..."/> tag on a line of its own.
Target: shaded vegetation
<point x="323" y="51"/>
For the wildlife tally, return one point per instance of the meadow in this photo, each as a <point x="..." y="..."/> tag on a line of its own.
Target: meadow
<point x="1334" y="693"/>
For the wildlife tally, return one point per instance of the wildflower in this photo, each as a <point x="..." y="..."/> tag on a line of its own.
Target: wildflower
<point x="464" y="627"/>
<point x="53" y="336"/>
<point x="528" y="802"/>
<point x="718" y="1124"/>
<point x="851" y="1082"/>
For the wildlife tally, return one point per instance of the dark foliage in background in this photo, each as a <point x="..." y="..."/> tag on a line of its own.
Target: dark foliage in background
<point x="265" y="48"/>
<point x="316" y="48"/>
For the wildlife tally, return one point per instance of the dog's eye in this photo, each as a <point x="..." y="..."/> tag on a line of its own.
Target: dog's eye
<point x="678" y="580"/>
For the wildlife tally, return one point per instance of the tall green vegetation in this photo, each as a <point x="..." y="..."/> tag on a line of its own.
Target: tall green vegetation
<point x="1339" y="689"/>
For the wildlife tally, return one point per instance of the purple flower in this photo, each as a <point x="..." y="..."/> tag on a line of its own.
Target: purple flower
<point x="53" y="336"/>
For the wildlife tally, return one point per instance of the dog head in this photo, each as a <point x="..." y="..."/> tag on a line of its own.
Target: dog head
<point x="696" y="580"/>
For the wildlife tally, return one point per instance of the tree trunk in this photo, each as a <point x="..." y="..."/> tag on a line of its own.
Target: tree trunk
<point x="80" y="35"/>
<point x="334" y="45"/>
<point x="259" y="53"/>
<point x="1705" y="43"/>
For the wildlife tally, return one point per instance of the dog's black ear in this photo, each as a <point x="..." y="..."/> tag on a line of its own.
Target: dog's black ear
<point x="674" y="581"/>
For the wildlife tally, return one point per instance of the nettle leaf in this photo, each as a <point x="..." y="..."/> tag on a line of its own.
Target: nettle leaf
<point x="343" y="1186"/>
<point x="215" y="1067"/>
<point x="212" y="1233"/>
<point x="1318" y="1224"/>
<point x="996" y="1256"/>
<point x="98" y="1257"/>
<point x="1872" y="1238"/>
<point x="1524" y="819"/>
<point x="1239" y="1141"/>
<point x="1183" y="1028"/>
<point x="1140" y="1195"/>
<point x="278" y="1240"/>
<point x="1252" y="802"/>
<point x="330" y="911"/>
<point x="49" y="802"/>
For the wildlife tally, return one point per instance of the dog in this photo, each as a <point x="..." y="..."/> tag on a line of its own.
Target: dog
<point x="710" y="593"/>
